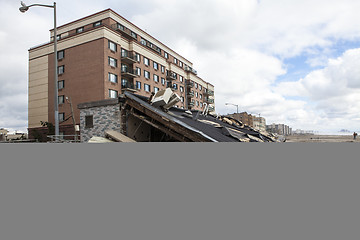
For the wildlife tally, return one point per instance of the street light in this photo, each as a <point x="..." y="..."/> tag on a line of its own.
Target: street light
<point x="237" y="106"/>
<point x="23" y="9"/>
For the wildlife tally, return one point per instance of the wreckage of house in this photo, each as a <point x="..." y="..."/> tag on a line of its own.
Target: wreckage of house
<point x="134" y="118"/>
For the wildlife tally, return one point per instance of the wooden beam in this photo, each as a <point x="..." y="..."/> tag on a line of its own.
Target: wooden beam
<point x="193" y="136"/>
<point x="168" y="131"/>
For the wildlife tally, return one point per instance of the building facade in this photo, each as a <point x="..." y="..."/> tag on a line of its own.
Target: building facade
<point x="281" y="129"/>
<point x="259" y="123"/>
<point x="101" y="56"/>
<point x="244" y="117"/>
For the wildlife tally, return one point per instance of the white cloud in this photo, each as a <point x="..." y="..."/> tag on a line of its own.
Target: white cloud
<point x="237" y="45"/>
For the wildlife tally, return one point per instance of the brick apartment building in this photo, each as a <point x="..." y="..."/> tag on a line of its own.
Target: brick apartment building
<point x="99" y="57"/>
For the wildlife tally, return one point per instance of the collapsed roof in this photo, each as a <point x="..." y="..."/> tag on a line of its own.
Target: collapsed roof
<point x="189" y="126"/>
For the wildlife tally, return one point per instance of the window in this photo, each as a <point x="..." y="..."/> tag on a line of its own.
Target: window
<point x="112" y="62"/>
<point x="182" y="99"/>
<point x="125" y="83"/>
<point x="175" y="86"/>
<point x="89" y="121"/>
<point x="196" y="94"/>
<point x="146" y="61"/>
<point x="61" y="84"/>
<point x="58" y="37"/>
<point x="60" y="55"/>
<point x="181" y="78"/>
<point x="196" y="85"/>
<point x="147" y="87"/>
<point x="138" y="71"/>
<point x="163" y="81"/>
<point x="121" y="27"/>
<point x="162" y="69"/>
<point x="61" y="117"/>
<point x="124" y="68"/>
<point x="112" y="46"/>
<point x="156" y="66"/>
<point x="166" y="55"/>
<point x="134" y="35"/>
<point x="175" y="61"/>
<point x="138" y="85"/>
<point x="143" y="41"/>
<point x="61" y="69"/>
<point x="197" y="103"/>
<point x="113" y="78"/>
<point x="147" y="74"/>
<point x="156" y="78"/>
<point x="200" y="87"/>
<point x="97" y="24"/>
<point x="181" y="64"/>
<point x="156" y="89"/>
<point x="200" y="96"/>
<point x="61" y="99"/>
<point x="113" y="93"/>
<point x="201" y="104"/>
<point x="137" y="57"/>
<point x="80" y="30"/>
<point x="181" y="89"/>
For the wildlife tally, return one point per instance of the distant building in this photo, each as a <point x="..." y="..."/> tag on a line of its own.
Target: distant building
<point x="3" y="134"/>
<point x="259" y="123"/>
<point x="280" y="129"/>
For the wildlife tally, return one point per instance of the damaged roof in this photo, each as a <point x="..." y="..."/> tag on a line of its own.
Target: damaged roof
<point x="196" y="126"/>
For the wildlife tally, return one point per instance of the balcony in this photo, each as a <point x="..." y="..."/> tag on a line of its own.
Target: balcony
<point x="211" y="109"/>
<point x="126" y="72"/>
<point x="189" y="84"/>
<point x="190" y="69"/>
<point x="128" y="57"/>
<point x="124" y="31"/>
<point x="171" y="76"/>
<point x="190" y="94"/>
<point x="208" y="92"/>
<point x="209" y="100"/>
<point x="191" y="104"/>
<point x="128" y="86"/>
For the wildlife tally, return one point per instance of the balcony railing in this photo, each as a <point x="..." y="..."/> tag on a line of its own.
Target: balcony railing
<point x="211" y="108"/>
<point x="128" y="57"/>
<point x="208" y="92"/>
<point x="189" y="83"/>
<point x="128" y="72"/>
<point x="128" y="85"/>
<point x="190" y="69"/>
<point x="209" y="100"/>
<point x="191" y="104"/>
<point x="126" y="32"/>
<point x="171" y="76"/>
<point x="191" y="94"/>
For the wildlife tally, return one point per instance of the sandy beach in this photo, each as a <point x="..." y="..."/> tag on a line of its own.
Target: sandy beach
<point x="322" y="138"/>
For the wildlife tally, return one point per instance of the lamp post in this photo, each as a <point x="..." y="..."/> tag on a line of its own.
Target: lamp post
<point x="237" y="106"/>
<point x="23" y="9"/>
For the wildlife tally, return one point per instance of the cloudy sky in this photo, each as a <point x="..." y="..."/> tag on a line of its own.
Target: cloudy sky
<point x="295" y="62"/>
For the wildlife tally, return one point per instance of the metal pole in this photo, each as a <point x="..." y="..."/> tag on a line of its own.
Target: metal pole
<point x="56" y="105"/>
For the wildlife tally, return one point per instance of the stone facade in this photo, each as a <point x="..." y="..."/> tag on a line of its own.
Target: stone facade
<point x="105" y="115"/>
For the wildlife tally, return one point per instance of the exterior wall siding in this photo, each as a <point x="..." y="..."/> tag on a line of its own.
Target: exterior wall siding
<point x="104" y="118"/>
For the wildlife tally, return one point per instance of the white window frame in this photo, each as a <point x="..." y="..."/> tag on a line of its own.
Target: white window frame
<point x="146" y="74"/>
<point x="156" y="78"/>
<point x="113" y="77"/>
<point x="113" y="93"/>
<point x="112" y="62"/>
<point x="146" y="61"/>
<point x="112" y="46"/>
<point x="156" y="65"/>
<point x="147" y="86"/>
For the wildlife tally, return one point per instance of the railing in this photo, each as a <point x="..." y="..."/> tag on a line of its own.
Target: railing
<point x="189" y="83"/>
<point x="190" y="69"/>
<point x="64" y="138"/>
<point x="129" y="72"/>
<point x="124" y="30"/>
<point x="128" y="85"/>
<point x="211" y="109"/>
<point x="208" y="92"/>
<point x="191" y="94"/>
<point x="171" y="76"/>
<point x="191" y="104"/>
<point x="128" y="56"/>
<point x="209" y="100"/>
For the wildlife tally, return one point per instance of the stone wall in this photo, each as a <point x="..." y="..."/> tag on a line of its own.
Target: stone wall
<point x="106" y="116"/>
